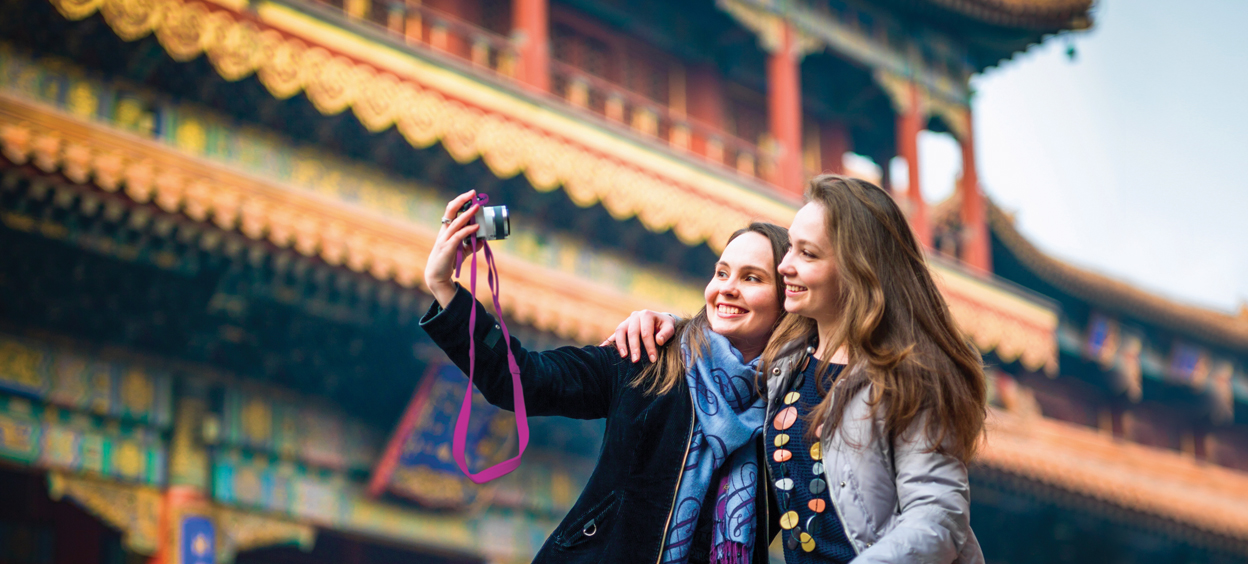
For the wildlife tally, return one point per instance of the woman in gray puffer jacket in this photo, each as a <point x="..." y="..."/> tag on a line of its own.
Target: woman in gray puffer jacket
<point x="875" y="401"/>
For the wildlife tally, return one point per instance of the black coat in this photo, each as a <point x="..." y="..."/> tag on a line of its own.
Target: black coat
<point x="630" y="495"/>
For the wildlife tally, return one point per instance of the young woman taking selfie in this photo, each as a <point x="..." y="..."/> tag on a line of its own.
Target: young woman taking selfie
<point x="876" y="402"/>
<point x="678" y="478"/>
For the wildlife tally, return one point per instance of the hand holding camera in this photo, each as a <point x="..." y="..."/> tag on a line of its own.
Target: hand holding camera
<point x="466" y="227"/>
<point x="465" y="222"/>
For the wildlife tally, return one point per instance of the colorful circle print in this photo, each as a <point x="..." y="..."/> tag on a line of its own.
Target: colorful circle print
<point x="808" y="542"/>
<point x="812" y="531"/>
<point x="786" y="418"/>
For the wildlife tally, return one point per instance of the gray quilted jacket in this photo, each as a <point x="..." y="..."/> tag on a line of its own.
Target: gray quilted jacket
<point x="897" y="503"/>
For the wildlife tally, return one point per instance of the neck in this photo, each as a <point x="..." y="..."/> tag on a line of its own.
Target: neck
<point x="749" y="352"/>
<point x="825" y="352"/>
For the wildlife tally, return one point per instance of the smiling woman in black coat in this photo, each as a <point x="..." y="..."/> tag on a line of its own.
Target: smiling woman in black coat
<point x="625" y="511"/>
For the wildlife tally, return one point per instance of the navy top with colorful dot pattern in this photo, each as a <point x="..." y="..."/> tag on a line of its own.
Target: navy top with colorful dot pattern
<point x="811" y="532"/>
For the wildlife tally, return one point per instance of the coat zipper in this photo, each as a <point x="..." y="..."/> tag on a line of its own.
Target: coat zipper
<point x="679" y="478"/>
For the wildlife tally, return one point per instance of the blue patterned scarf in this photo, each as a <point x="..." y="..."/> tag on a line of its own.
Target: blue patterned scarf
<point x="728" y="416"/>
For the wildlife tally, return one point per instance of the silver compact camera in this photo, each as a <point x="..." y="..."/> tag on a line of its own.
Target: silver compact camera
<point x="494" y="222"/>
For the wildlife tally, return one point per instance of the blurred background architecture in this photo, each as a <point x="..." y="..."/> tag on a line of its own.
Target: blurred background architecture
<point x="214" y="216"/>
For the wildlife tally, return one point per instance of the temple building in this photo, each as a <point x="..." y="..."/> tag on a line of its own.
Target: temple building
<point x="214" y="217"/>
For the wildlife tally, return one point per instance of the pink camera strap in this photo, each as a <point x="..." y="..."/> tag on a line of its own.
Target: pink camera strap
<point x="465" y="411"/>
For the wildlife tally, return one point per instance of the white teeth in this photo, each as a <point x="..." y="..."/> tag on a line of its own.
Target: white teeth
<point x="729" y="310"/>
<point x="793" y="288"/>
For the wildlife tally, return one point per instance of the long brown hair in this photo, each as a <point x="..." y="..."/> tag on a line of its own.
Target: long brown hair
<point x="894" y="324"/>
<point x="668" y="369"/>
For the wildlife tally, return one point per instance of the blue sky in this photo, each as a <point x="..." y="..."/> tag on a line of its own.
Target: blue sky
<point x="1131" y="159"/>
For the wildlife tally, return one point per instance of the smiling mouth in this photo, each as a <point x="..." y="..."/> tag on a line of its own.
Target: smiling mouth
<point x="794" y="288"/>
<point x="726" y="310"/>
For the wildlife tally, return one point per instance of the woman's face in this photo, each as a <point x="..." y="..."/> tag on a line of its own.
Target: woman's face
<point x="741" y="301"/>
<point x="811" y="284"/>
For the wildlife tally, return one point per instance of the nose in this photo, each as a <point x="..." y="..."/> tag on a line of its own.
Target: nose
<point x="729" y="287"/>
<point x="786" y="265"/>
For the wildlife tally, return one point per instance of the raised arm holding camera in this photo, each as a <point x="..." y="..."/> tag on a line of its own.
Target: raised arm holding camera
<point x="678" y="479"/>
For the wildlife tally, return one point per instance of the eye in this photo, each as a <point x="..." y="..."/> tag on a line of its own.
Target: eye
<point x="721" y="274"/>
<point x="753" y="278"/>
<point x="807" y="254"/>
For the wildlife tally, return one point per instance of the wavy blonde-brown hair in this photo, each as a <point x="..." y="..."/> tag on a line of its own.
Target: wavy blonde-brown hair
<point x="894" y="324"/>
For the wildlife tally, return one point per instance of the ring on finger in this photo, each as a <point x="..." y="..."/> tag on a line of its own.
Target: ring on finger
<point x="446" y="220"/>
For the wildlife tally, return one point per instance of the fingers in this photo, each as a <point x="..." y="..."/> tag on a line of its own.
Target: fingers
<point x="634" y="337"/>
<point x="620" y="338"/>
<point x="453" y="206"/>
<point x="463" y="218"/>
<point x="647" y="339"/>
<point x="667" y="329"/>
<point x="459" y="231"/>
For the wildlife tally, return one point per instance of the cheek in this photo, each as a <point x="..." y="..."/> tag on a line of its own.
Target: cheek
<point x="828" y="289"/>
<point x="765" y="306"/>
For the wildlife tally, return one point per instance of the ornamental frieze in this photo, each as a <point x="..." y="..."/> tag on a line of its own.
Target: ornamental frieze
<point x="205" y="134"/>
<point x="387" y="250"/>
<point x="428" y="104"/>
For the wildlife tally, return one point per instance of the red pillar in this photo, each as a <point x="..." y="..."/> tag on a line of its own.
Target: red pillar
<point x="833" y="144"/>
<point x="704" y="92"/>
<point x="909" y="124"/>
<point x="976" y="250"/>
<point x="532" y="32"/>
<point x="179" y="502"/>
<point x="441" y="37"/>
<point x="784" y="108"/>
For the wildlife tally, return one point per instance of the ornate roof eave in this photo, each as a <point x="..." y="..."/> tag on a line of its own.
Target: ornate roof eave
<point x="339" y="233"/>
<point x="136" y="512"/>
<point x="817" y="30"/>
<point x="292" y="52"/>
<point x="999" y="319"/>
<point x="1023" y="14"/>
<point x="1090" y="464"/>
<point x="1214" y="327"/>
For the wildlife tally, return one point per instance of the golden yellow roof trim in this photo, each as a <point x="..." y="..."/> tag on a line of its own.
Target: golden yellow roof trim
<point x="290" y="53"/>
<point x="363" y="240"/>
<point x="136" y="512"/>
<point x="340" y="234"/>
<point x="1086" y="462"/>
<point x="1219" y="328"/>
<point x="1000" y="321"/>
<point x="132" y="509"/>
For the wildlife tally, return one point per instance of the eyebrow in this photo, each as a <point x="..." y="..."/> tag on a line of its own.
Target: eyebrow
<point x="804" y="243"/>
<point x="748" y="267"/>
